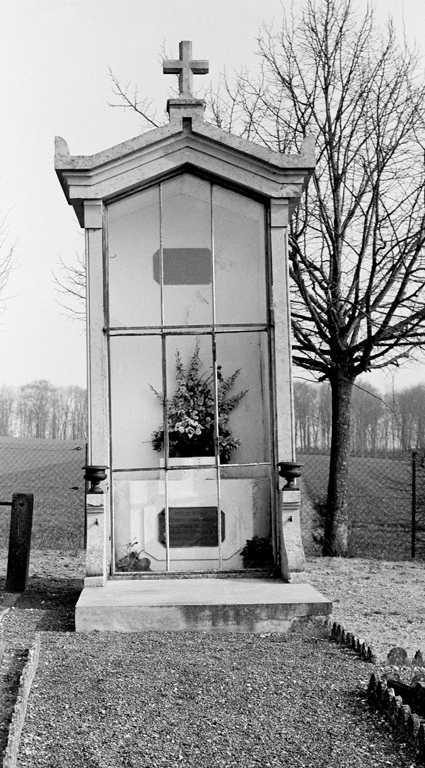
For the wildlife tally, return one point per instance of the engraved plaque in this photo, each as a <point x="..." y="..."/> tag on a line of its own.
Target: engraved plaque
<point x="192" y="526"/>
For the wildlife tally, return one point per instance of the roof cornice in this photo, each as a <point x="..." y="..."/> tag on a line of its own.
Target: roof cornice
<point x="186" y="142"/>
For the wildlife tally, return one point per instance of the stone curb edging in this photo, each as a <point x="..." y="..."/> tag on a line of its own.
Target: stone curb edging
<point x="18" y="717"/>
<point x="407" y="724"/>
<point x="340" y="635"/>
<point x="9" y="600"/>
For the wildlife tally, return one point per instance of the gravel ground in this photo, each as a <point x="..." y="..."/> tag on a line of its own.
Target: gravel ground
<point x="195" y="699"/>
<point x="166" y="699"/>
<point x="382" y="602"/>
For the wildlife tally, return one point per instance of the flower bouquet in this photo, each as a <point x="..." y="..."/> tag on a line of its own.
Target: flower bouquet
<point x="190" y="412"/>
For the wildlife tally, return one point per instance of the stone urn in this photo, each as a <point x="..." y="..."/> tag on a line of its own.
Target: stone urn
<point x="290" y="470"/>
<point x="94" y="474"/>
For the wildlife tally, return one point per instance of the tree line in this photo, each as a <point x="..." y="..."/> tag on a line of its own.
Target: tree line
<point x="380" y="422"/>
<point x="39" y="409"/>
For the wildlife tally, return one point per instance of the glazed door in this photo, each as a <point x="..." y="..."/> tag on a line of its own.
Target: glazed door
<point x="191" y="433"/>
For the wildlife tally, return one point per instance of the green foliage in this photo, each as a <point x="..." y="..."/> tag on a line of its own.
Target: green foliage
<point x="258" y="553"/>
<point x="191" y="412"/>
<point x="132" y="561"/>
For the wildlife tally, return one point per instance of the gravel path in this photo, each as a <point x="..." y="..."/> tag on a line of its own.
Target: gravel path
<point x="195" y="699"/>
<point x="201" y="700"/>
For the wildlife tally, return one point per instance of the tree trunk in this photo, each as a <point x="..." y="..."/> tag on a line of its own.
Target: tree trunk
<point x="336" y="523"/>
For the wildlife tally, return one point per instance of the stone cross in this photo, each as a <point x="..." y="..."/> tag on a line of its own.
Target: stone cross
<point x="185" y="68"/>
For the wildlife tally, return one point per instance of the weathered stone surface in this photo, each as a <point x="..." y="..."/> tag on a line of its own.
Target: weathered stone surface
<point x="413" y="725"/>
<point x="387" y="696"/>
<point x="420" y="741"/>
<point x="185" y="68"/>
<point x="10" y="755"/>
<point x="419" y="698"/>
<point x="398" y="657"/>
<point x="380" y="688"/>
<point x="368" y="654"/>
<point x="224" y="605"/>
<point x="395" y="704"/>
<point x="292" y="555"/>
<point x="164" y="149"/>
<point x="403" y="718"/>
<point x="371" y="689"/>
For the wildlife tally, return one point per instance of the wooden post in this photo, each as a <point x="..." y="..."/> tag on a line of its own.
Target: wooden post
<point x="19" y="542"/>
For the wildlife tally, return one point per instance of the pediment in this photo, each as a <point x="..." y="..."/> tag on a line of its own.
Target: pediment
<point x="183" y="144"/>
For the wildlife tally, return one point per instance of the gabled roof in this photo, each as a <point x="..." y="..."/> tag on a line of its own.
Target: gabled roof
<point x="186" y="143"/>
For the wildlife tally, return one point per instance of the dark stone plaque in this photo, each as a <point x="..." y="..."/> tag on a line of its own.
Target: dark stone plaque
<point x="192" y="526"/>
<point x="184" y="266"/>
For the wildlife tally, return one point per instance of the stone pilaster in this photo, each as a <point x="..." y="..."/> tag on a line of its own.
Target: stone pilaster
<point x="97" y="505"/>
<point x="292" y="557"/>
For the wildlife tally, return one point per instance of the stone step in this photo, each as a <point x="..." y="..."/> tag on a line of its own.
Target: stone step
<point x="209" y="605"/>
<point x="245" y="574"/>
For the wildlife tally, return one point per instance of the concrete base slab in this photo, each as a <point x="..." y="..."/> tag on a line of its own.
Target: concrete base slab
<point x="209" y="605"/>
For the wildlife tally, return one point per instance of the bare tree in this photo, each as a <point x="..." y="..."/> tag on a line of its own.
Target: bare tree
<point x="45" y="411"/>
<point x="78" y="414"/>
<point x="411" y="410"/>
<point x="68" y="420"/>
<point x="367" y="408"/>
<point x="34" y="408"/>
<point x="357" y="240"/>
<point x="129" y="98"/>
<point x="7" y="407"/>
<point x="71" y="283"/>
<point x="7" y="262"/>
<point x="305" y="402"/>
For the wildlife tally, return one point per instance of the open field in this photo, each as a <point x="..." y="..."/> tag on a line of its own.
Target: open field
<point x="380" y="496"/>
<point x="380" y="503"/>
<point x="52" y="471"/>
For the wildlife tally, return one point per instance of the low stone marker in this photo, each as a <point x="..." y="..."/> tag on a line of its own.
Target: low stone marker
<point x="389" y="697"/>
<point x="19" y="542"/>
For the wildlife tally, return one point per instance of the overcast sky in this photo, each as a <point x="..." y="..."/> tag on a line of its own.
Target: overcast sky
<point x="54" y="59"/>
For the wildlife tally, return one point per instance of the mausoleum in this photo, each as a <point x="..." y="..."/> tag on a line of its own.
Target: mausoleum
<point x="193" y="513"/>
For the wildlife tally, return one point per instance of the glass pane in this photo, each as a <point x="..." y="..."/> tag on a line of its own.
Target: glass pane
<point x="246" y="502"/>
<point x="240" y="262"/>
<point x="193" y="515"/>
<point x="136" y="411"/>
<point x="138" y="502"/>
<point x="244" y="398"/>
<point x="190" y="393"/>
<point x="133" y="239"/>
<point x="186" y="231"/>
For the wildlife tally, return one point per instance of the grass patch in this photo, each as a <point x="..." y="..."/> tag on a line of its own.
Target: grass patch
<point x="379" y="502"/>
<point x="52" y="471"/>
